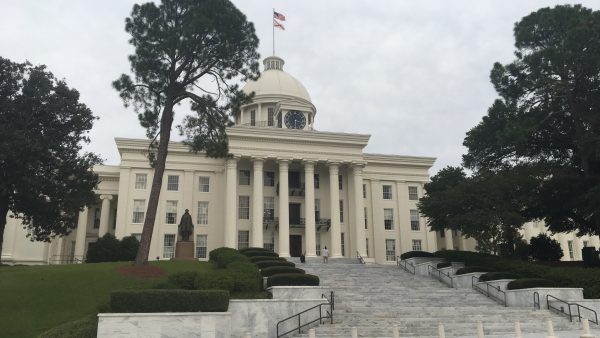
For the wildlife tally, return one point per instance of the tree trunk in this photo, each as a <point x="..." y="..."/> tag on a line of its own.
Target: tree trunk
<point x="3" y="214"/>
<point x="159" y="169"/>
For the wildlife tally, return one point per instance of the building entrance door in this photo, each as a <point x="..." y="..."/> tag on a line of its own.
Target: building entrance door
<point x="295" y="245"/>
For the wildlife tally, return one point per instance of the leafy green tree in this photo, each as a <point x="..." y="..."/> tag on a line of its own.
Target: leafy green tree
<point x="544" y="248"/>
<point x="545" y="126"/>
<point x="45" y="179"/>
<point x="186" y="50"/>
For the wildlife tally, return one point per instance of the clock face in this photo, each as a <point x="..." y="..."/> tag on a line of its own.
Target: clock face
<point x="295" y="120"/>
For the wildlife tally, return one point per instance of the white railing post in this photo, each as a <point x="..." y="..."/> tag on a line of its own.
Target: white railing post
<point x="480" y="330"/>
<point x="550" y="330"/>
<point x="354" y="332"/>
<point x="518" y="330"/>
<point x="395" y="331"/>
<point x="441" y="331"/>
<point x="311" y="333"/>
<point x="586" y="329"/>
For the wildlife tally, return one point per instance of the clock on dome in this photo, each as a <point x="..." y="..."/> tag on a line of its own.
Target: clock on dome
<point x="295" y="120"/>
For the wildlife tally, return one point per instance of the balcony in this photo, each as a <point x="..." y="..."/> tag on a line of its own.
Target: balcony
<point x="293" y="191"/>
<point x="273" y="223"/>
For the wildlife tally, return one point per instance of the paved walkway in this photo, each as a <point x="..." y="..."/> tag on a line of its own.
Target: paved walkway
<point x="374" y="297"/>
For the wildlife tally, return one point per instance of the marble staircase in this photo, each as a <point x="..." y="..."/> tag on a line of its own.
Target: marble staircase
<point x="374" y="297"/>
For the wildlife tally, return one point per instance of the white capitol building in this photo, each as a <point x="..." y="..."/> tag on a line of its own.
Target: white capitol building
<point x="288" y="187"/>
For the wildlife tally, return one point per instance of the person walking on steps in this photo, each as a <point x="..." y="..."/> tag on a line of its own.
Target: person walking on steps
<point x="325" y="255"/>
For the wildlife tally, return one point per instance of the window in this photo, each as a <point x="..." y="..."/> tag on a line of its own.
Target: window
<point x="244" y="209"/>
<point x="294" y="180"/>
<point x="115" y="219"/>
<point x="169" y="246"/>
<point x="341" y="211"/>
<point x="387" y="192"/>
<point x="269" y="179"/>
<point x="570" y="245"/>
<point x="388" y="219"/>
<point x="137" y="236"/>
<point x="316" y="181"/>
<point x="204" y="184"/>
<point x="172" y="183"/>
<point x="416" y="245"/>
<point x="414" y="220"/>
<point x="340" y="184"/>
<point x="413" y="194"/>
<point x="367" y="246"/>
<point x="270" y="116"/>
<point x="270" y="245"/>
<point x="366" y="220"/>
<point x="279" y="120"/>
<point x="244" y="177"/>
<point x="171" y="212"/>
<point x="364" y="191"/>
<point x="201" y="244"/>
<point x="585" y="244"/>
<point x="318" y="240"/>
<point x="202" y="212"/>
<point x="442" y="233"/>
<point x="269" y="208"/>
<point x="390" y="250"/>
<point x="343" y="244"/>
<point x="140" y="181"/>
<point x="317" y="209"/>
<point x="139" y="208"/>
<point x="97" y="212"/>
<point x="243" y="239"/>
<point x="253" y="118"/>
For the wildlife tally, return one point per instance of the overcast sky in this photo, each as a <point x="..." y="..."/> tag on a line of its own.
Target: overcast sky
<point x="413" y="74"/>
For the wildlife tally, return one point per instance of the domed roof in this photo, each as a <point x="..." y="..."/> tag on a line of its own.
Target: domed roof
<point x="274" y="81"/>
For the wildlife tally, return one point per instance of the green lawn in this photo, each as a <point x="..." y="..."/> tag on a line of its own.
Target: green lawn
<point x="34" y="299"/>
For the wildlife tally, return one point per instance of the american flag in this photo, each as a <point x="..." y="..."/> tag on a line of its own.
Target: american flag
<point x="278" y="25"/>
<point x="278" y="16"/>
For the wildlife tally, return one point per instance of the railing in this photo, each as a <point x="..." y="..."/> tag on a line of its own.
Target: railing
<point x="500" y="299"/>
<point x="446" y="276"/>
<point x="570" y="314"/>
<point x="360" y="258"/>
<point x="323" y="314"/>
<point x="536" y="301"/>
<point x="405" y="265"/>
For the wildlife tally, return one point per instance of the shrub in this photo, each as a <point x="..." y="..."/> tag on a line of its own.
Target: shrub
<point x="260" y="253"/>
<point x="443" y="265"/>
<point x="253" y="249"/>
<point x="264" y="264"/>
<point x="293" y="279"/>
<point x="526" y="283"/>
<point x="129" y="248"/>
<point x="544" y="248"/>
<point x="469" y="269"/>
<point x="86" y="327"/>
<point x="497" y="275"/>
<point x="245" y="276"/>
<point x="221" y="257"/>
<point x="181" y="280"/>
<point x="145" y="301"/>
<point x="411" y="254"/>
<point x="215" y="280"/>
<point x="273" y="270"/>
<point x="265" y="258"/>
<point x="109" y="249"/>
<point x="590" y="257"/>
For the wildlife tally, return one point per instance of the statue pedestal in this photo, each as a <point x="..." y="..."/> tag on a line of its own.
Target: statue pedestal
<point x="184" y="250"/>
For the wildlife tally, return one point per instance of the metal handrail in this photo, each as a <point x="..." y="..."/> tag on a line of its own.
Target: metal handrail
<point x="536" y="301"/>
<point x="562" y="310"/>
<point x="404" y="265"/>
<point x="486" y="292"/>
<point x="326" y="315"/>
<point x="361" y="260"/>
<point x="430" y="269"/>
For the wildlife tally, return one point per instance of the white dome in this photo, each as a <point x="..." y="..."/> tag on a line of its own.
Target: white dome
<point x="274" y="81"/>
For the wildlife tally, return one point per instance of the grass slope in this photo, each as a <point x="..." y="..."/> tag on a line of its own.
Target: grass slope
<point x="34" y="299"/>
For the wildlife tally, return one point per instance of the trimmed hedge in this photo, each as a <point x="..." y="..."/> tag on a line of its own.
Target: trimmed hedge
<point x="148" y="301"/>
<point x="222" y="257"/>
<point x="469" y="269"/>
<point x="265" y="258"/>
<point x="525" y="283"/>
<point x="443" y="265"/>
<point x="265" y="264"/>
<point x="412" y="254"/>
<point x="274" y="270"/>
<point x="498" y="275"/>
<point x="86" y="327"/>
<point x="182" y="280"/>
<point x="260" y="253"/>
<point x="293" y="279"/>
<point x="253" y="249"/>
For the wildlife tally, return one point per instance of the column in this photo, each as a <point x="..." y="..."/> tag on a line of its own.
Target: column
<point x="334" y="204"/>
<point x="284" y="211"/>
<point x="462" y="242"/>
<point x="577" y="246"/>
<point x="230" y="204"/>
<point x="564" y="244"/>
<point x="595" y="241"/>
<point x="124" y="204"/>
<point x="104" y="214"/>
<point x="449" y="243"/>
<point x="257" y="204"/>
<point x="309" y="209"/>
<point x="81" y="233"/>
<point x="359" y="211"/>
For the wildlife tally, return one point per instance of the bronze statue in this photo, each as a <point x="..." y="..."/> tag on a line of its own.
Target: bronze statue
<point x="186" y="226"/>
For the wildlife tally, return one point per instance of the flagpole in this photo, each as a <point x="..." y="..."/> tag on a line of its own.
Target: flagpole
<point x="273" y="24"/>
